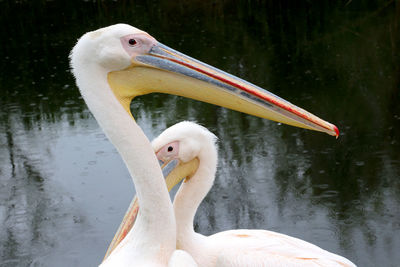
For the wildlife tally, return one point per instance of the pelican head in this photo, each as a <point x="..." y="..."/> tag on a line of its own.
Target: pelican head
<point x="185" y="141"/>
<point x="133" y="63"/>
<point x="181" y="148"/>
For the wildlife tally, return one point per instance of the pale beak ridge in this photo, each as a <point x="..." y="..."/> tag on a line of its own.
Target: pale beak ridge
<point x="240" y="95"/>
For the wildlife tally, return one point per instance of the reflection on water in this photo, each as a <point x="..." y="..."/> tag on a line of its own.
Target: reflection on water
<point x="63" y="187"/>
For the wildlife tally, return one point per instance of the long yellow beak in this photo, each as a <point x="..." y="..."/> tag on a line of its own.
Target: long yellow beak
<point x="165" y="70"/>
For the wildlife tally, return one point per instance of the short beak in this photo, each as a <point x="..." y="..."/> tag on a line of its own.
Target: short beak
<point x="165" y="70"/>
<point x="174" y="171"/>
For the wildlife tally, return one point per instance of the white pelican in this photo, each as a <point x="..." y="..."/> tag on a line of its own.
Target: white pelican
<point x="191" y="151"/>
<point x="111" y="66"/>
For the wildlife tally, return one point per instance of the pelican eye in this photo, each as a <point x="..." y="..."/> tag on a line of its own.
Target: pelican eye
<point x="132" y="42"/>
<point x="170" y="148"/>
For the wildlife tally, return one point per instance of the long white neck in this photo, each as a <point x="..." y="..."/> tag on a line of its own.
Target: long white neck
<point x="154" y="229"/>
<point x="191" y="193"/>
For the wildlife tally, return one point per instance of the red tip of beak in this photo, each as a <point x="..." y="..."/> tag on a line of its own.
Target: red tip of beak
<point x="336" y="130"/>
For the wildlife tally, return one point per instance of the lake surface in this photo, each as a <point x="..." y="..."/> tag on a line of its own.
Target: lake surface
<point x="64" y="188"/>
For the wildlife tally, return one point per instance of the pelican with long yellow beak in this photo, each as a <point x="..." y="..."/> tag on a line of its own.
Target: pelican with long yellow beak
<point x="112" y="65"/>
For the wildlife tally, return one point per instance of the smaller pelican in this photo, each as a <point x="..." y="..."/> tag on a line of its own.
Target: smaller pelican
<point x="189" y="144"/>
<point x="188" y="151"/>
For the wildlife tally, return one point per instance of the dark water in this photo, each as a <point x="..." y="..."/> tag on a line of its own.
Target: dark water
<point x="64" y="189"/>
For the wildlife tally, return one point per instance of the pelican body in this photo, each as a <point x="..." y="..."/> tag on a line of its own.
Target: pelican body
<point x="112" y="65"/>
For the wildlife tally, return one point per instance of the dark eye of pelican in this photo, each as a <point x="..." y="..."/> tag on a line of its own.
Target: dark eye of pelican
<point x="132" y="42"/>
<point x="170" y="148"/>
